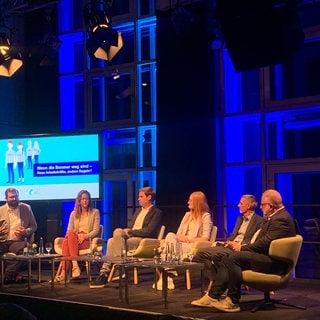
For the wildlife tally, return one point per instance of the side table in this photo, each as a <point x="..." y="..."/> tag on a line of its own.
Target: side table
<point x="29" y="260"/>
<point x="164" y="268"/>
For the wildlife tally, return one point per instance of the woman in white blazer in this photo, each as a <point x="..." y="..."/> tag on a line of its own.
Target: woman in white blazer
<point x="196" y="225"/>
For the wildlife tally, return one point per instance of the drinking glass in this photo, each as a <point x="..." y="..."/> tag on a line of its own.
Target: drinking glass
<point x="190" y="257"/>
<point x="48" y="247"/>
<point x="131" y="252"/>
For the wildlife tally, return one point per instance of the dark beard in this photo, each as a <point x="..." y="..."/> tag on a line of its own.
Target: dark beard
<point x="13" y="204"/>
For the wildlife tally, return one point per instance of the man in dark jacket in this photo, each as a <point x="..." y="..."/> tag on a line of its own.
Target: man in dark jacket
<point x="247" y="224"/>
<point x="145" y="223"/>
<point x="253" y="256"/>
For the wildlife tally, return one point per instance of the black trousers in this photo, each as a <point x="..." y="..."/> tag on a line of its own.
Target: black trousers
<point x="211" y="257"/>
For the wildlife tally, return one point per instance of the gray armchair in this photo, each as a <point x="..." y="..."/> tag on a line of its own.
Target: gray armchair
<point x="145" y="250"/>
<point x="287" y="250"/>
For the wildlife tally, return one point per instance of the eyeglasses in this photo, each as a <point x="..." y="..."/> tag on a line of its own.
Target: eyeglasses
<point x="264" y="204"/>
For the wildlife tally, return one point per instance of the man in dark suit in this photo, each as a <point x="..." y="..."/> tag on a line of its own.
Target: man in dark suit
<point x="247" y="224"/>
<point x="145" y="223"/>
<point x="253" y="256"/>
<point x="18" y="226"/>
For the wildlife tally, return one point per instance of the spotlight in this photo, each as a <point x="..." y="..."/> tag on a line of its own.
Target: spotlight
<point x="103" y="42"/>
<point x="10" y="61"/>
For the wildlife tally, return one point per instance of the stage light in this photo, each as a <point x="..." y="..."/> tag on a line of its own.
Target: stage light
<point x="103" y="42"/>
<point x="10" y="61"/>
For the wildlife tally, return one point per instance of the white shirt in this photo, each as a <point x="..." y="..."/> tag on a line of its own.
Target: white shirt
<point x="243" y="228"/>
<point x="140" y="218"/>
<point x="14" y="221"/>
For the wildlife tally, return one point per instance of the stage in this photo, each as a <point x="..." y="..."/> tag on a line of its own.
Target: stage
<point x="78" y="301"/>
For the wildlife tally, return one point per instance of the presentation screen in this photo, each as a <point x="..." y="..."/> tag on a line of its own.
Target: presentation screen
<point x="50" y="167"/>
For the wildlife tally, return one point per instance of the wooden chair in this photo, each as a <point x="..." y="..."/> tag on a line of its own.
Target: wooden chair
<point x="286" y="250"/>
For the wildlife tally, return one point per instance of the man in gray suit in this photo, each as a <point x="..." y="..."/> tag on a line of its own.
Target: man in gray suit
<point x="17" y="223"/>
<point x="247" y="224"/>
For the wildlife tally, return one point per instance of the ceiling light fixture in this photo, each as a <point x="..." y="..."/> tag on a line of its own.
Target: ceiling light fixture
<point x="103" y="42"/>
<point x="10" y="61"/>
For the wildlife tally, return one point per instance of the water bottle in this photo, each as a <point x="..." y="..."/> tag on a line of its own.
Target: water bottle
<point x="169" y="255"/>
<point x="26" y="247"/>
<point x="41" y="248"/>
<point x="90" y="248"/>
<point x="156" y="256"/>
<point x="173" y="253"/>
<point x="179" y="252"/>
<point x="124" y="250"/>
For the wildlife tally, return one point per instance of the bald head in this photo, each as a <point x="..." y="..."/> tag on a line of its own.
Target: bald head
<point x="273" y="197"/>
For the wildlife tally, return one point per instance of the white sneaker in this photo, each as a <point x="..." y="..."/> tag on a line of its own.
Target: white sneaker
<point x="159" y="284"/>
<point x="226" y="305"/>
<point x="204" y="301"/>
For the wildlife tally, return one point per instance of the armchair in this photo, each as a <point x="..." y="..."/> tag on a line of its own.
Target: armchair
<point x="96" y="241"/>
<point x="204" y="244"/>
<point x="145" y="250"/>
<point x="201" y="244"/>
<point x="147" y="245"/>
<point x="287" y="250"/>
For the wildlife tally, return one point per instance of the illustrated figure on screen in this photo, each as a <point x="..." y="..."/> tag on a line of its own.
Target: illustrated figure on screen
<point x="21" y="161"/>
<point x="36" y="151"/>
<point x="10" y="162"/>
<point x="29" y="154"/>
